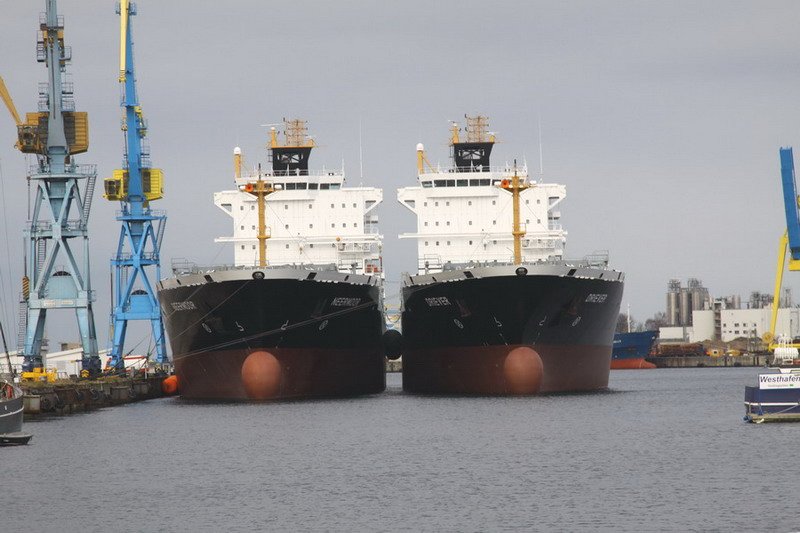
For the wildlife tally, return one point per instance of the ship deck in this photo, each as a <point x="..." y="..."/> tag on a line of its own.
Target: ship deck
<point x="575" y="270"/>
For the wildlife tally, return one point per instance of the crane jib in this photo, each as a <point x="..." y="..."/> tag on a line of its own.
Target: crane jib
<point x="790" y="201"/>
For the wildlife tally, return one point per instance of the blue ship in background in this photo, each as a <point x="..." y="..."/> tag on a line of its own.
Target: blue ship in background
<point x="630" y="349"/>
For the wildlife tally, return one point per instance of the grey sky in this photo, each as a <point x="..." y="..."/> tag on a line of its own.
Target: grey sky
<point x="662" y="118"/>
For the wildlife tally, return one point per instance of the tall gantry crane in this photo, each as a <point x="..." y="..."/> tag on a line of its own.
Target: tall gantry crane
<point x="790" y="239"/>
<point x="135" y="186"/>
<point x="55" y="134"/>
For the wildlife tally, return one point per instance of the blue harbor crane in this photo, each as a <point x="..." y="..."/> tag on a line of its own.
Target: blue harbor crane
<point x="135" y="186"/>
<point x="790" y="239"/>
<point x="56" y="277"/>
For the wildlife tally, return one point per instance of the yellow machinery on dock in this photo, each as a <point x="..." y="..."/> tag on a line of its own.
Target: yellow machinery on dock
<point x="40" y="374"/>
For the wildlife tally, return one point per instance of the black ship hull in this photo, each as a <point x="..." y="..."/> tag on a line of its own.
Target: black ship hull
<point x="506" y="330"/>
<point x="11" y="409"/>
<point x="275" y="334"/>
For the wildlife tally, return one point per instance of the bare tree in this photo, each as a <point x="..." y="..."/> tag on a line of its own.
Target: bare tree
<point x="659" y="320"/>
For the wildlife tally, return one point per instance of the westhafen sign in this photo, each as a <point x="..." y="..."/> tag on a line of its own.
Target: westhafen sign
<point x="779" y="381"/>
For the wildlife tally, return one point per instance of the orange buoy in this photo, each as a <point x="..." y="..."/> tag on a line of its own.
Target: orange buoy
<point x="170" y="385"/>
<point x="523" y="371"/>
<point x="261" y="375"/>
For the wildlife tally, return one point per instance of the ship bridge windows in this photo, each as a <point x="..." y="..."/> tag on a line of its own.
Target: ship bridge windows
<point x="313" y="186"/>
<point x="426" y="184"/>
<point x="440" y="183"/>
<point x="335" y="186"/>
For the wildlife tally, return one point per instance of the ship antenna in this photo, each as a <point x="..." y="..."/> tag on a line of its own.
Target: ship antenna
<point x="629" y="318"/>
<point x="541" y="164"/>
<point x="360" y="152"/>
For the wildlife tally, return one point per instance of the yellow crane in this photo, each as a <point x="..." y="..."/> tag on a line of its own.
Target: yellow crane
<point x="790" y="239"/>
<point x="4" y="94"/>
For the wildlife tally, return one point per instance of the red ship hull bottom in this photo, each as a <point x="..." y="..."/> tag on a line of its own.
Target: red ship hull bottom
<point x="506" y="370"/>
<point x="633" y="363"/>
<point x="279" y="373"/>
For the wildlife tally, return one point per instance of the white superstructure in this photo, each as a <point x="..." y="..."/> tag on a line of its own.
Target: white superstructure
<point x="464" y="216"/>
<point x="312" y="218"/>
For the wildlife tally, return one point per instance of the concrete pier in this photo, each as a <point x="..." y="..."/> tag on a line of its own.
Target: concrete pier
<point x="708" y="361"/>
<point x="68" y="397"/>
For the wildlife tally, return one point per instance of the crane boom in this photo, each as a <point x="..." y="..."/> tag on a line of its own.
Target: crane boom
<point x="790" y="201"/>
<point x="4" y="94"/>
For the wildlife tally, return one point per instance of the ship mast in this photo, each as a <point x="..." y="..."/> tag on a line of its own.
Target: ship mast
<point x="261" y="189"/>
<point x="515" y="187"/>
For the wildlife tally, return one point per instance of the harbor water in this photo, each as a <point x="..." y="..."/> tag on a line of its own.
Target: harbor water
<point x="663" y="450"/>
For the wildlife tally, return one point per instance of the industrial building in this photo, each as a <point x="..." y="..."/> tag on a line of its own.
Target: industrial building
<point x="693" y="316"/>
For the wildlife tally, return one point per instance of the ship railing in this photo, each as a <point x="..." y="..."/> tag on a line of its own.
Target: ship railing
<point x="429" y="262"/>
<point x="592" y="261"/>
<point x="181" y="266"/>
<point x="598" y="258"/>
<point x="442" y="177"/>
<point x="298" y="174"/>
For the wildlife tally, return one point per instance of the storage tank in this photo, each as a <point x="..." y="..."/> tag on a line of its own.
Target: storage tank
<point x="673" y="291"/>
<point x="685" y="308"/>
